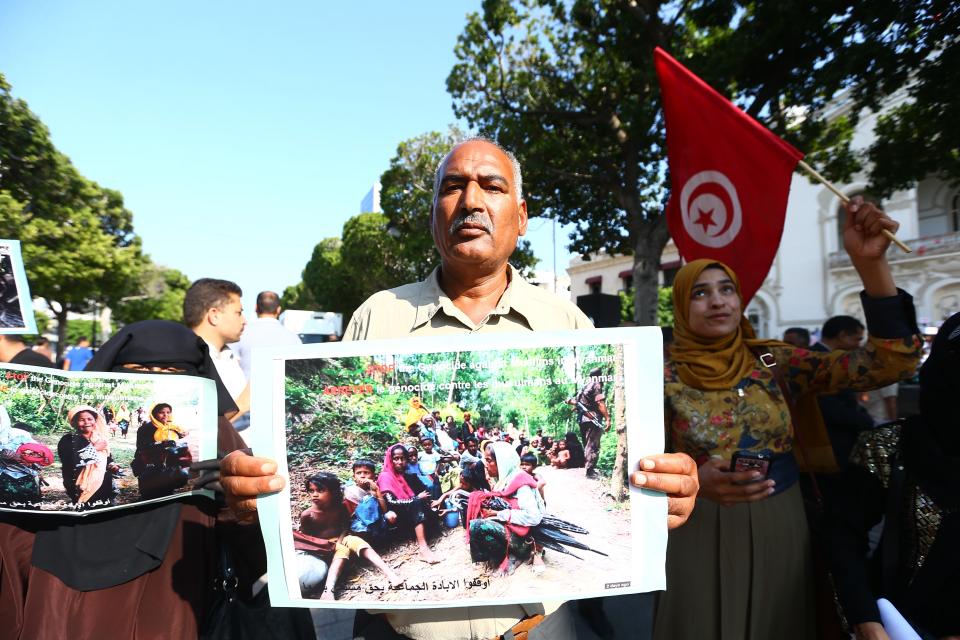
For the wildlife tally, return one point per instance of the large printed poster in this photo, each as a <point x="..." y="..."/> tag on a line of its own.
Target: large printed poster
<point x="80" y="443"/>
<point x="438" y="472"/>
<point x="16" y="306"/>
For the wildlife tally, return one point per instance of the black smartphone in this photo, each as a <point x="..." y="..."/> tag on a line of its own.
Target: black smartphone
<point x="751" y="461"/>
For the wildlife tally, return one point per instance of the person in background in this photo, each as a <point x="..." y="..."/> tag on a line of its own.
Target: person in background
<point x="77" y="357"/>
<point x="212" y="309"/>
<point x="15" y="351"/>
<point x="797" y="336"/>
<point x="42" y="346"/>
<point x="842" y="414"/>
<point x="881" y="403"/>
<point x="905" y="473"/>
<point x="263" y="331"/>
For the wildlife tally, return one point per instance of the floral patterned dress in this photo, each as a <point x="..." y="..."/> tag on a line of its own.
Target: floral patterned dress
<point x="746" y="569"/>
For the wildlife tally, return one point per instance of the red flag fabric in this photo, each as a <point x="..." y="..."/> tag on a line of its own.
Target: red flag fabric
<point x="729" y="177"/>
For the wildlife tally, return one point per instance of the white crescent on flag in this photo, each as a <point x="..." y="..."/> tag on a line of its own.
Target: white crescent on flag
<point x="710" y="209"/>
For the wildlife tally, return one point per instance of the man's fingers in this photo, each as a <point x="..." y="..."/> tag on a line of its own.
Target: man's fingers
<point x="679" y="463"/>
<point x="239" y="463"/>
<point x="670" y="483"/>
<point x="679" y="510"/>
<point x="242" y="487"/>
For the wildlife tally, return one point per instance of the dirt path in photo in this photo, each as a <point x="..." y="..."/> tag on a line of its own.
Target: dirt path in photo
<point x="569" y="496"/>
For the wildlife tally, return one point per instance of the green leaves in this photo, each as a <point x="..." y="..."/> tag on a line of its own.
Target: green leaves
<point x="77" y="237"/>
<point x="570" y="87"/>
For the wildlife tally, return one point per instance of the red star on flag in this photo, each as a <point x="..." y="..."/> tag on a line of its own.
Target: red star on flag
<point x="705" y="219"/>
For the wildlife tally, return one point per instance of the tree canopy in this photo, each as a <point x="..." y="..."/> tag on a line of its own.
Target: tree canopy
<point x="570" y="87"/>
<point x="379" y="251"/>
<point x="77" y="237"/>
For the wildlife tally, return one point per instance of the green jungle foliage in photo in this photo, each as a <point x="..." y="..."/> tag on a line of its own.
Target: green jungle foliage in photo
<point x="339" y="409"/>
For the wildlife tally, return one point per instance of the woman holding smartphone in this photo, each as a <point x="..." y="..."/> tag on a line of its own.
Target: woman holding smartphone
<point x="743" y="561"/>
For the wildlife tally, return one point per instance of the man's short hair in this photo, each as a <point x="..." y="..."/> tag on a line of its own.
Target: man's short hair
<point x="514" y="164"/>
<point x="206" y="294"/>
<point x="13" y="337"/>
<point x="800" y="331"/>
<point x="364" y="463"/>
<point x="840" y="324"/>
<point x="267" y="302"/>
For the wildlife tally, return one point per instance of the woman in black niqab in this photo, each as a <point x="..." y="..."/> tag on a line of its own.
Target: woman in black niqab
<point x="139" y="572"/>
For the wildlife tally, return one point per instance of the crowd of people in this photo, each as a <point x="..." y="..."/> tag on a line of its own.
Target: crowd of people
<point x="740" y="564"/>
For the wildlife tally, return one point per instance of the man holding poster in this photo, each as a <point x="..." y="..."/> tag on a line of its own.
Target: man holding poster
<point x="478" y="215"/>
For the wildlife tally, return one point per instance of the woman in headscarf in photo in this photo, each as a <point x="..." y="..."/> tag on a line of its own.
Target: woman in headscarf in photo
<point x="412" y="509"/>
<point x="88" y="467"/>
<point x="743" y="561"/>
<point x="496" y="534"/>
<point x="161" y="461"/>
<point x="143" y="572"/>
<point x="416" y="411"/>
<point x="906" y="471"/>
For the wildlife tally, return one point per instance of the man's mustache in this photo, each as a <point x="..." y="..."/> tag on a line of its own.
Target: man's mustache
<point x="471" y="218"/>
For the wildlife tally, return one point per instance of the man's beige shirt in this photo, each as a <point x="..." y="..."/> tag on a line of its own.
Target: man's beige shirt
<point x="423" y="309"/>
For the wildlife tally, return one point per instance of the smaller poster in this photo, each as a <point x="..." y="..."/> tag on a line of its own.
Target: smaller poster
<point x="475" y="470"/>
<point x="81" y="442"/>
<point x="16" y="305"/>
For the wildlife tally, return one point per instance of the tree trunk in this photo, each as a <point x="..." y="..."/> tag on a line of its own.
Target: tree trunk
<point x="650" y="240"/>
<point x="61" y="316"/>
<point x="618" y="481"/>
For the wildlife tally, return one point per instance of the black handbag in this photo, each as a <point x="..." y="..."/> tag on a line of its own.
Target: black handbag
<point x="233" y="618"/>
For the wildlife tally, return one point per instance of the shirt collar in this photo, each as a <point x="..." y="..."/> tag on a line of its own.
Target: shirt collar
<point x="433" y="299"/>
<point x="223" y="354"/>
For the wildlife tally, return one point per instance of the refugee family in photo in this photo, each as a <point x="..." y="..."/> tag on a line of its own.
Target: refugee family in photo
<point x="55" y="455"/>
<point x="458" y="487"/>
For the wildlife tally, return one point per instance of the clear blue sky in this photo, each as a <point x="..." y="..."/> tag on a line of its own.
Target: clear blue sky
<point x="240" y="133"/>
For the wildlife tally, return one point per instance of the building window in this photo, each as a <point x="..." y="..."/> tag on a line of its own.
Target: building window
<point x="626" y="280"/>
<point x="669" y="271"/>
<point x="937" y="222"/>
<point x="594" y="283"/>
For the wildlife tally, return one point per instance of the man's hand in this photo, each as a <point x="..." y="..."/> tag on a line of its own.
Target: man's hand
<point x="674" y="474"/>
<point x="870" y="631"/>
<point x="723" y="487"/>
<point x="244" y="477"/>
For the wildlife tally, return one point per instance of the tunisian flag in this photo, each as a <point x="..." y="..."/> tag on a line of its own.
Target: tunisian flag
<point x="729" y="177"/>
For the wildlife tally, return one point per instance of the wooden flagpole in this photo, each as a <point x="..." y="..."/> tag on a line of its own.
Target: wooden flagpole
<point x="845" y="199"/>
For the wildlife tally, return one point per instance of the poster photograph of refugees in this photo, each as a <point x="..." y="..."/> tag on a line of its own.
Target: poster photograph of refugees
<point x="16" y="306"/>
<point x="492" y="475"/>
<point x="76" y="443"/>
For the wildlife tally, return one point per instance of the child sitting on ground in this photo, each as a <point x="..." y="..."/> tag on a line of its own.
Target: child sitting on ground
<point x="528" y="463"/>
<point x="326" y="522"/>
<point x="370" y="517"/>
<point x="473" y="477"/>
